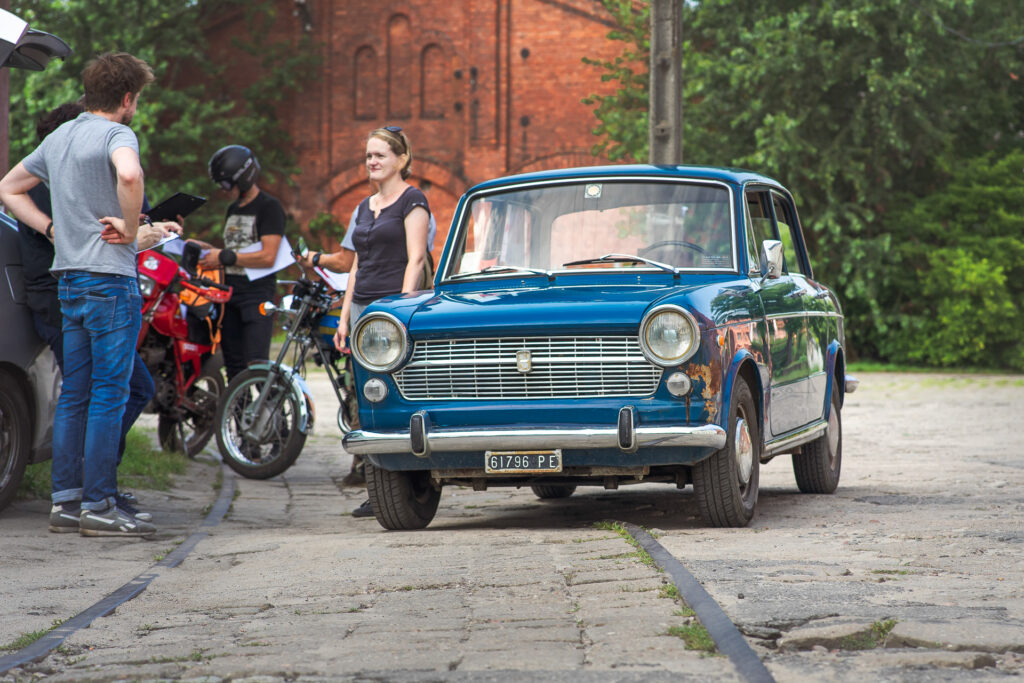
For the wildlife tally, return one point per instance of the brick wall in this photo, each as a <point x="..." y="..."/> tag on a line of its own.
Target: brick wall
<point x="483" y="88"/>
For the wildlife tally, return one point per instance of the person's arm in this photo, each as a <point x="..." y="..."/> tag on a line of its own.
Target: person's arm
<point x="416" y="247"/>
<point x="14" y="194"/>
<point x="346" y="308"/>
<point x="149" y="233"/>
<point x="264" y="258"/>
<point x="339" y="261"/>
<point x="130" y="189"/>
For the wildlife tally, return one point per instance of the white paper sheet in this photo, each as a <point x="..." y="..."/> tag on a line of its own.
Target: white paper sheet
<point x="168" y="249"/>
<point x="281" y="261"/>
<point x="336" y="281"/>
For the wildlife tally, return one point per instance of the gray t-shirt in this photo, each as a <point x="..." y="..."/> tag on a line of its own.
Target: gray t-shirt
<point x="75" y="162"/>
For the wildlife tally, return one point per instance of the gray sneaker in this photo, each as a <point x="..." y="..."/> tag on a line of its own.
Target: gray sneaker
<point x="64" y="517"/>
<point x="112" y="522"/>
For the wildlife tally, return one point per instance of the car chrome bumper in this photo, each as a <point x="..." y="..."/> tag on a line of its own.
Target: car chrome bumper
<point x="365" y="442"/>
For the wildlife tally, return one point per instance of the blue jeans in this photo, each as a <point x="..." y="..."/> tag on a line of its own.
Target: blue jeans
<point x="102" y="317"/>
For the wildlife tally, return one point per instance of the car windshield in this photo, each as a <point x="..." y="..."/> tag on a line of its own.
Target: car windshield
<point x="686" y="225"/>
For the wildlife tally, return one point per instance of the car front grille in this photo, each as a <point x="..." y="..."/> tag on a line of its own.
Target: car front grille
<point x="527" y="368"/>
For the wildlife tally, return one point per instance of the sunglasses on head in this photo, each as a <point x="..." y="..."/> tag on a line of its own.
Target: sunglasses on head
<point x="393" y="129"/>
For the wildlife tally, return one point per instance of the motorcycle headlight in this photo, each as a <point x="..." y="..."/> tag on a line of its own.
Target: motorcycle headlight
<point x="669" y="335"/>
<point x="146" y="285"/>
<point x="381" y="342"/>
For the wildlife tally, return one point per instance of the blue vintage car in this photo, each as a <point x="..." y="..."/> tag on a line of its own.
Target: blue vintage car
<point x="606" y="326"/>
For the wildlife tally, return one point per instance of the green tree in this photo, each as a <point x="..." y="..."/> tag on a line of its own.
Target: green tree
<point x="192" y="109"/>
<point x="855" y="106"/>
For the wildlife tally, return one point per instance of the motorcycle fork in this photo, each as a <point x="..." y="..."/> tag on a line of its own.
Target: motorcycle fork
<point x="255" y="417"/>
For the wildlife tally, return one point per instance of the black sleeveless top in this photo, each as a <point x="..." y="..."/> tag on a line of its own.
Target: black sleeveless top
<point x="380" y="245"/>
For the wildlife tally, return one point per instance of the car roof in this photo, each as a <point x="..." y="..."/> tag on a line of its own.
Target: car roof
<point x="734" y="176"/>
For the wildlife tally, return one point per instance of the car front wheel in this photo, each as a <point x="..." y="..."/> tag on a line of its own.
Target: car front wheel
<point x="726" y="484"/>
<point x="402" y="499"/>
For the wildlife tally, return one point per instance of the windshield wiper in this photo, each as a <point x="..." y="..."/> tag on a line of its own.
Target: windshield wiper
<point x="504" y="269"/>
<point x="624" y="258"/>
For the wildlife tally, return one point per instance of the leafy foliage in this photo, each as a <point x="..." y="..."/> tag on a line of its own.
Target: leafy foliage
<point x="193" y="108"/>
<point x="862" y="109"/>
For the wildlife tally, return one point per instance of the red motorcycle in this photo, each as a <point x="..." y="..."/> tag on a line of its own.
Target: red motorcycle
<point x="181" y="313"/>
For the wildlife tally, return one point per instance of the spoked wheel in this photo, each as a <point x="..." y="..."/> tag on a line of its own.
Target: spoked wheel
<point x="549" y="491"/>
<point x="274" y="441"/>
<point x="402" y="499"/>
<point x="197" y="426"/>
<point x="726" y="484"/>
<point x="818" y="464"/>
<point x="15" y="429"/>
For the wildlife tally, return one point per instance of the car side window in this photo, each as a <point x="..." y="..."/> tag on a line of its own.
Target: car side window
<point x="787" y="233"/>
<point x="759" y="224"/>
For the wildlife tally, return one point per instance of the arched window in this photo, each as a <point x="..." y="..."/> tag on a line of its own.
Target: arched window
<point x="365" y="77"/>
<point x="400" y="67"/>
<point x="432" y="82"/>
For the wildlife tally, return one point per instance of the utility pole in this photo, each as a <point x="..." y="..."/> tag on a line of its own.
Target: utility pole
<point x="665" y="136"/>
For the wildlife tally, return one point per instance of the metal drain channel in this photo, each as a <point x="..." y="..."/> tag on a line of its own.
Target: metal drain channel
<point x="52" y="640"/>
<point x="727" y="637"/>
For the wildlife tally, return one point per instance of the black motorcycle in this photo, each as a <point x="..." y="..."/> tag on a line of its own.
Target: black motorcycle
<point x="266" y="411"/>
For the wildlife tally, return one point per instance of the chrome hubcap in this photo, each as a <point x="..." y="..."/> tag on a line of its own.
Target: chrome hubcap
<point x="743" y="447"/>
<point x="833" y="436"/>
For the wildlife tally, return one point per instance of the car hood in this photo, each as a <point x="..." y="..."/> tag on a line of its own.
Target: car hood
<point x="533" y="310"/>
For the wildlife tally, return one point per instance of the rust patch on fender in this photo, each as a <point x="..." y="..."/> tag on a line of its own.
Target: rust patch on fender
<point x="710" y="384"/>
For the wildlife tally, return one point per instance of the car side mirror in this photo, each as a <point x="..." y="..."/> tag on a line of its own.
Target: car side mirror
<point x="771" y="259"/>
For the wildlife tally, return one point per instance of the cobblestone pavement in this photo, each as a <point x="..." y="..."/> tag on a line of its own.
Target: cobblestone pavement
<point x="912" y="571"/>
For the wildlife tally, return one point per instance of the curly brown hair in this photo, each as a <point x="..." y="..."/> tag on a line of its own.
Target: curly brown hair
<point x="109" y="76"/>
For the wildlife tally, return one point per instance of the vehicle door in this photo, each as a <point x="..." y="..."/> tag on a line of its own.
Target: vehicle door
<point x="786" y="329"/>
<point x="819" y="319"/>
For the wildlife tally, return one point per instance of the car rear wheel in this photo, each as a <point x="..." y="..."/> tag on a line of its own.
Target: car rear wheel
<point x="726" y="484"/>
<point x="546" y="491"/>
<point x="402" y="499"/>
<point x="818" y="465"/>
<point x="15" y="428"/>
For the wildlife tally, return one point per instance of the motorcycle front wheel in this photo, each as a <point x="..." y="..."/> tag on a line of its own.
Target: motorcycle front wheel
<point x="198" y="425"/>
<point x="278" y="441"/>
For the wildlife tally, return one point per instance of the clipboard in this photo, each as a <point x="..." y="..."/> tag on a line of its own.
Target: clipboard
<point x="180" y="204"/>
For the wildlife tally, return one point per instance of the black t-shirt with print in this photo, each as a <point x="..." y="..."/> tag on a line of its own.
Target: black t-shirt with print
<point x="243" y="227"/>
<point x="380" y="245"/>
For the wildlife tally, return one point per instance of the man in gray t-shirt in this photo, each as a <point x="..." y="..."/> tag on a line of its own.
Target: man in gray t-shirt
<point x="91" y="165"/>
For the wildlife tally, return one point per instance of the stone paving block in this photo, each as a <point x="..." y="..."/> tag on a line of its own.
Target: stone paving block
<point x="964" y="634"/>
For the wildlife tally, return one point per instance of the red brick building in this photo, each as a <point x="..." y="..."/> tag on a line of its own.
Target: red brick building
<point x="483" y="88"/>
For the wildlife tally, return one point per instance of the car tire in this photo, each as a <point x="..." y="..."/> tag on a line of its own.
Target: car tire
<point x="15" y="431"/>
<point x="818" y="465"/>
<point x="550" y="491"/>
<point x="726" y="484"/>
<point x="401" y="499"/>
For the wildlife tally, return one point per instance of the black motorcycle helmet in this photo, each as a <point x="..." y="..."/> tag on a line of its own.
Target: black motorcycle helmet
<point x="234" y="165"/>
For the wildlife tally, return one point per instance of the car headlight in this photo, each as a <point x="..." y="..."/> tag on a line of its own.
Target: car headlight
<point x="381" y="343"/>
<point x="146" y="285"/>
<point x="669" y="335"/>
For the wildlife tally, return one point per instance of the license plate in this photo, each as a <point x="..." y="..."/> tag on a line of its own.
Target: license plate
<point x="522" y="462"/>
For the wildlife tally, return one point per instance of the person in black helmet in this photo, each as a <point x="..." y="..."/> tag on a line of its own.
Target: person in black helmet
<point x="254" y="218"/>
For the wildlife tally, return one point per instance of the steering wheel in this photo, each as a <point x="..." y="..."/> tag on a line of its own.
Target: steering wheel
<point x="671" y="243"/>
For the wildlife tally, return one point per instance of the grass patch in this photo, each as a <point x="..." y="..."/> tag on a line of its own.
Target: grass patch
<point x="640" y="555"/>
<point x="878" y="366"/>
<point x="147" y="467"/>
<point x="36" y="482"/>
<point x="669" y="591"/>
<point x="26" y="639"/>
<point x="695" y="636"/>
<point x="870" y="639"/>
